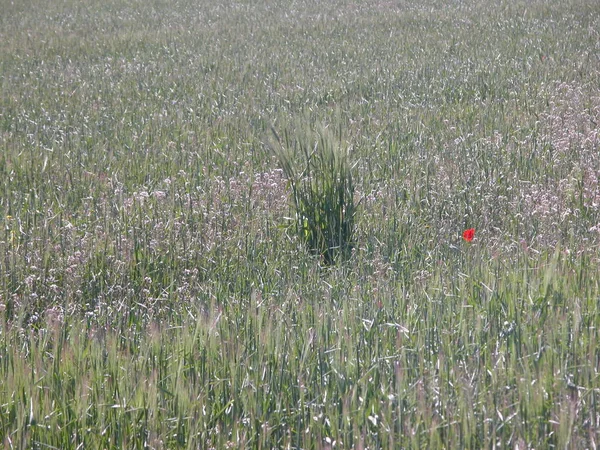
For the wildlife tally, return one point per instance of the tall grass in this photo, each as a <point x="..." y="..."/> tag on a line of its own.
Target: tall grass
<point x="322" y="192"/>
<point x="153" y="296"/>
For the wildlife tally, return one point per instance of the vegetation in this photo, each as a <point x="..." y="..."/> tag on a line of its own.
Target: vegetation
<point x="153" y="294"/>
<point x="322" y="191"/>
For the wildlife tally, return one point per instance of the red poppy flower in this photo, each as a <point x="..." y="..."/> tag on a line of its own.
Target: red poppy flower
<point x="469" y="234"/>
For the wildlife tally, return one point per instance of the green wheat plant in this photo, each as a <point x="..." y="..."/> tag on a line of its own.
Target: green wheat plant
<point x="320" y="176"/>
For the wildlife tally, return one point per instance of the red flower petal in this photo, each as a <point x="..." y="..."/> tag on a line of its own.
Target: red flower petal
<point x="469" y="234"/>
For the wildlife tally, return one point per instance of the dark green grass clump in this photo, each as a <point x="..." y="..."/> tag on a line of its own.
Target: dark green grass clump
<point x="323" y="193"/>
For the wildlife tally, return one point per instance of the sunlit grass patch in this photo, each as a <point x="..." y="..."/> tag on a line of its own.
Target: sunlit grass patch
<point x="154" y="295"/>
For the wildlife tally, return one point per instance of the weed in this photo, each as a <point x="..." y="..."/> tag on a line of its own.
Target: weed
<point x="320" y="176"/>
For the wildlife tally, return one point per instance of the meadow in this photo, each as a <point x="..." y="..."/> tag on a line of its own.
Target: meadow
<point x="154" y="292"/>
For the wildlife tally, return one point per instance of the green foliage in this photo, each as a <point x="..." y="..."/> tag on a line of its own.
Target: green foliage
<point x="319" y="173"/>
<point x="149" y="297"/>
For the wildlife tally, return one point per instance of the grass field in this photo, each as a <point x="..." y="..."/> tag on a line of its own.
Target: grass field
<point x="154" y="292"/>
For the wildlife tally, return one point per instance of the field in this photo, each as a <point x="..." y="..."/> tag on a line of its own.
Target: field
<point x="155" y="290"/>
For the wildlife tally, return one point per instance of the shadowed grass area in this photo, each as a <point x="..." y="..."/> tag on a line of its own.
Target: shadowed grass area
<point x="153" y="295"/>
<point x="322" y="191"/>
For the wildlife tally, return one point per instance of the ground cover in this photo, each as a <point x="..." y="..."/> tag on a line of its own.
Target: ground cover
<point x="155" y="293"/>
